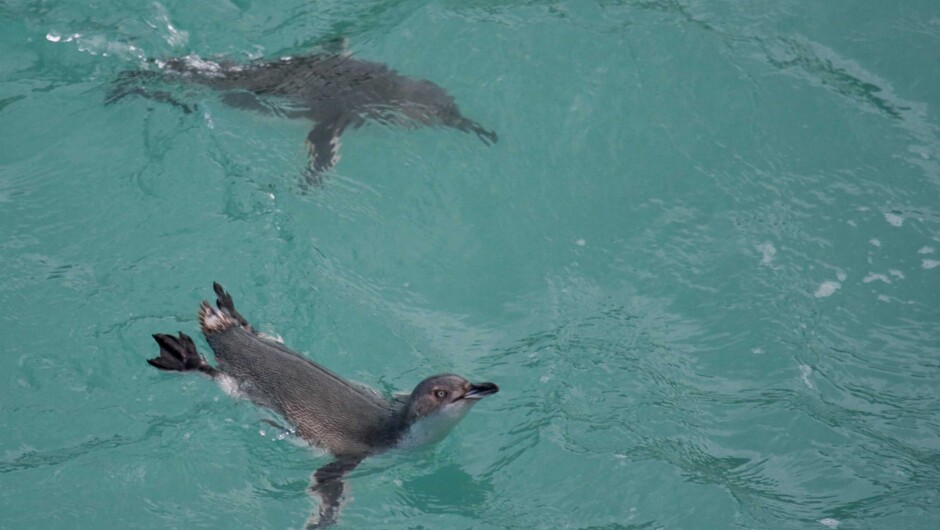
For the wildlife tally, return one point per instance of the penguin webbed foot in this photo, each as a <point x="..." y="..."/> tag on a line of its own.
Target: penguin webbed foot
<point x="329" y="487"/>
<point x="485" y="135"/>
<point x="129" y="84"/>
<point x="225" y="304"/>
<point x="179" y="354"/>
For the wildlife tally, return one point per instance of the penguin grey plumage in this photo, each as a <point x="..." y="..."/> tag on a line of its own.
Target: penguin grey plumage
<point x="349" y="420"/>
<point x="334" y="90"/>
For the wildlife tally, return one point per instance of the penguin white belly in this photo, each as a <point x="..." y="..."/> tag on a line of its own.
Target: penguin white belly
<point x="435" y="427"/>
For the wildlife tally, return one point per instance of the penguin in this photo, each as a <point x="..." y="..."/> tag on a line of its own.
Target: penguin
<point x="334" y="90"/>
<point x="349" y="420"/>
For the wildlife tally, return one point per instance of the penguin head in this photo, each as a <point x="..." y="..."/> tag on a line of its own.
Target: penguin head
<point x="425" y="102"/>
<point x="439" y="402"/>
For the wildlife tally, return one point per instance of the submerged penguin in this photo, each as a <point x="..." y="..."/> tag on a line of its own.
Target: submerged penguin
<point x="349" y="420"/>
<point x="334" y="90"/>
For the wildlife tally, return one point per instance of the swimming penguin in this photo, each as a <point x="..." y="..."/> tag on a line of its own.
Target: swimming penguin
<point x="334" y="90"/>
<point x="349" y="420"/>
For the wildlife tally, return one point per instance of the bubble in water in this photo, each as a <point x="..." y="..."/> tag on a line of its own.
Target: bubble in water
<point x="826" y="289"/>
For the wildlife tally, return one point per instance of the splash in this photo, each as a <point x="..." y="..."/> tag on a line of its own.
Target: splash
<point x="55" y="37"/>
<point x="173" y="36"/>
<point x="98" y="45"/>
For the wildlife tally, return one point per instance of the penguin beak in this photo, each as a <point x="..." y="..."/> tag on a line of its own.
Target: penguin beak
<point x="480" y="390"/>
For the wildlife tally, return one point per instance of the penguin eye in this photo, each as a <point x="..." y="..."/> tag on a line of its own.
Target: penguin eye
<point x="441" y="394"/>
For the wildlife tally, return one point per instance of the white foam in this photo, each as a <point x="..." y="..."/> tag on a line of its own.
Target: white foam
<point x="874" y="276"/>
<point x="229" y="385"/>
<point x="894" y="219"/>
<point x="174" y="37"/>
<point x="767" y="252"/>
<point x="210" y="68"/>
<point x="274" y="337"/>
<point x="875" y="242"/>
<point x="826" y="289"/>
<point x="930" y="263"/>
<point x="805" y="372"/>
<point x="829" y="522"/>
<point x="54" y="37"/>
<point x="925" y="250"/>
<point x="98" y="45"/>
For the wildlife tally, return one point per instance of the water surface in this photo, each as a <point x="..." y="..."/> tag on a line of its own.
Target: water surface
<point x="702" y="262"/>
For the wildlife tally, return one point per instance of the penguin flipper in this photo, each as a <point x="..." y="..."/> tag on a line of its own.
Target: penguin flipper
<point x="179" y="354"/>
<point x="329" y="487"/>
<point x="323" y="144"/>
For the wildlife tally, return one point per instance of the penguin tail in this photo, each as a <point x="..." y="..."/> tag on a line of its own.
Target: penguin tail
<point x="223" y="316"/>
<point x="179" y="354"/>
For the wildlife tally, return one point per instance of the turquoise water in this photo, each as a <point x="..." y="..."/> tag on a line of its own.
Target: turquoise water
<point x="702" y="262"/>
